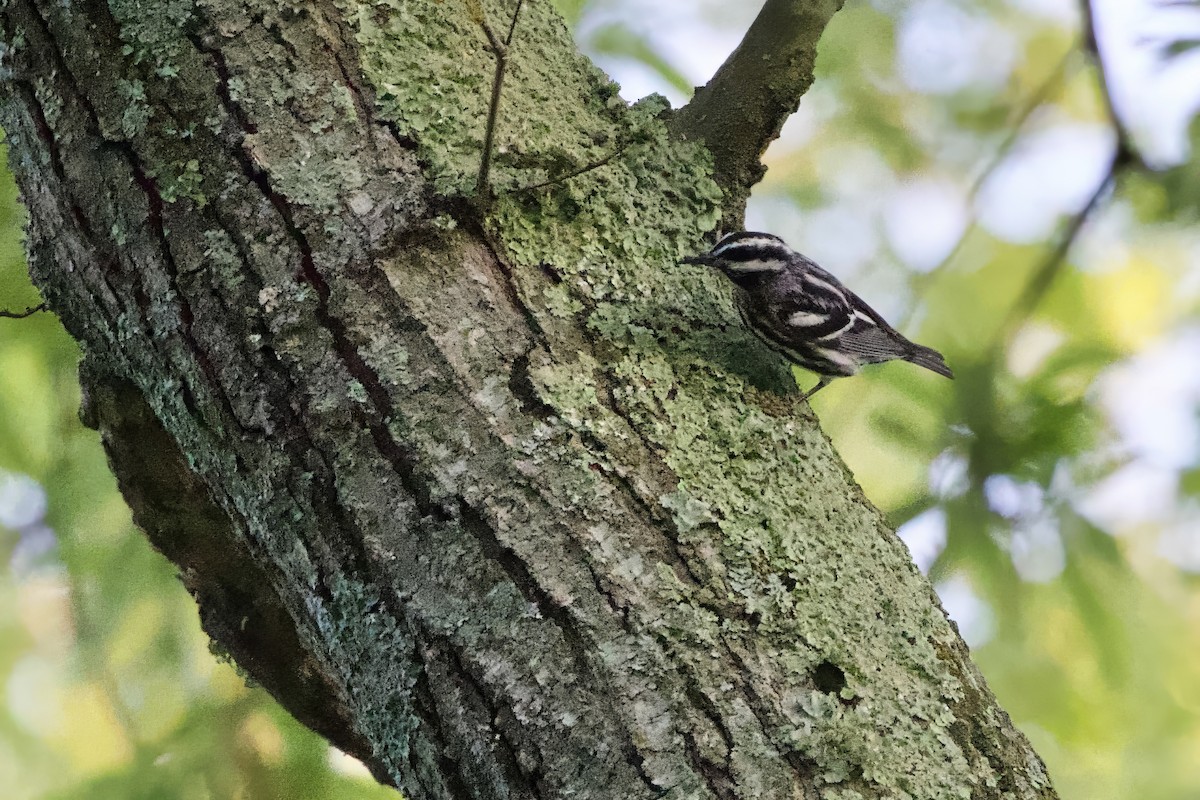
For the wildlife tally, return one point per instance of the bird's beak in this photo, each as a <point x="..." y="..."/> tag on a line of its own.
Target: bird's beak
<point x="705" y="260"/>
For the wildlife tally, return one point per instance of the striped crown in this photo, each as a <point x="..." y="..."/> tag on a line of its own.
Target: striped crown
<point x="750" y="251"/>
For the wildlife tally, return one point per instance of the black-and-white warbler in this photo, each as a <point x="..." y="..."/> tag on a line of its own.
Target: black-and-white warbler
<point x="806" y="314"/>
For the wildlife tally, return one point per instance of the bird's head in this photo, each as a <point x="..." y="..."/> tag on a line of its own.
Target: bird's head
<point x="746" y="256"/>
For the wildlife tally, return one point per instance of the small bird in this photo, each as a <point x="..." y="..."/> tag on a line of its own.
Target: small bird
<point x="806" y="314"/>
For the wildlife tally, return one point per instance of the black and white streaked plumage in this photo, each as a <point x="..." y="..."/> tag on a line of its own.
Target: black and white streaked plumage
<point x="806" y="314"/>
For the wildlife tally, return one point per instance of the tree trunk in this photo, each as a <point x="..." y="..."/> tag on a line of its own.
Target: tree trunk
<point x="493" y="493"/>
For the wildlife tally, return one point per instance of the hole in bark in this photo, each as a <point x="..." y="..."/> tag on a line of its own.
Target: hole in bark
<point x="789" y="582"/>
<point x="550" y="273"/>
<point x="829" y="678"/>
<point x="521" y="385"/>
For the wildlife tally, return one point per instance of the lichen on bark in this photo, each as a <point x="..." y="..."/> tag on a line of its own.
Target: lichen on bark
<point x="546" y="520"/>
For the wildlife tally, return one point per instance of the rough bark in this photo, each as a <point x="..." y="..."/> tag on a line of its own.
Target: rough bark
<point x="505" y="506"/>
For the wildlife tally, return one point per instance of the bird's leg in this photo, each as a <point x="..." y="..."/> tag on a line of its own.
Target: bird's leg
<point x="821" y="384"/>
<point x="499" y="49"/>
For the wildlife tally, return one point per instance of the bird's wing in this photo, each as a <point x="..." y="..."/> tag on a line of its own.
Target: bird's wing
<point x="811" y="305"/>
<point x="869" y="343"/>
<point x="871" y="315"/>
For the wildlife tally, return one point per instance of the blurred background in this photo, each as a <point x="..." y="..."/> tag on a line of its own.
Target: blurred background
<point x="958" y="163"/>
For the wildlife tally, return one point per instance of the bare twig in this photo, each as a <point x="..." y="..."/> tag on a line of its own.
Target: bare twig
<point x="29" y="312"/>
<point x="1124" y="155"/>
<point x="500" y="51"/>
<point x="512" y="24"/>
<point x="1127" y="152"/>
<point x="575" y="172"/>
<point x="742" y="109"/>
<point x="1043" y="277"/>
<point x="1047" y="89"/>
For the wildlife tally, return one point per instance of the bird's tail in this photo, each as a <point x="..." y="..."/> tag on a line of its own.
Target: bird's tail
<point x="928" y="358"/>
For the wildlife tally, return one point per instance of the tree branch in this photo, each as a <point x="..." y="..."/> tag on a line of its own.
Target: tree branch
<point x="1039" y="98"/>
<point x="742" y="109"/>
<point x="29" y="312"/>
<point x="517" y="520"/>
<point x="1127" y="152"/>
<point x="1047" y="271"/>
<point x="557" y="179"/>
<point x="1125" y="155"/>
<point x="499" y="50"/>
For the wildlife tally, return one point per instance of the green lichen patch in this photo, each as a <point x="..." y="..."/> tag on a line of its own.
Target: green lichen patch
<point x="804" y="561"/>
<point x="365" y="642"/>
<point x="433" y="75"/>
<point x="137" y="111"/>
<point x="153" y="33"/>
<point x="668" y="363"/>
<point x="801" y="557"/>
<point x="180" y="179"/>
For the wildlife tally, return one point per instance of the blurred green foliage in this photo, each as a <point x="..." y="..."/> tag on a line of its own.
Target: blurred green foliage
<point x="1052" y="491"/>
